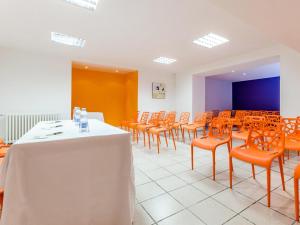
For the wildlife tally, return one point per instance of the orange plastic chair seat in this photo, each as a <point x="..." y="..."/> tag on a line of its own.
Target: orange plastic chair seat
<point x="254" y="156"/>
<point x="292" y="143"/>
<point x="209" y="143"/>
<point x="241" y="134"/>
<point x="3" y="151"/>
<point x="157" y="130"/>
<point x="193" y="126"/>
<point x="144" y="127"/>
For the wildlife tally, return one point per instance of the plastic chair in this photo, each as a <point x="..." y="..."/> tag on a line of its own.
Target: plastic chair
<point x="199" y="122"/>
<point x="125" y="123"/>
<point x="133" y="125"/>
<point x="292" y="134"/>
<point x="153" y="122"/>
<point x="263" y="146"/>
<point x="249" y="121"/>
<point x="184" y="119"/>
<point x="3" y="148"/>
<point x="226" y="114"/>
<point x="296" y="191"/>
<point x="219" y="134"/>
<point x="239" y="118"/>
<point x="167" y="126"/>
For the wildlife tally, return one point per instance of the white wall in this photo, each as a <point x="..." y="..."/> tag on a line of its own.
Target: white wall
<point x="34" y="83"/>
<point x="289" y="82"/>
<point x="198" y="94"/>
<point x="218" y="94"/>
<point x="184" y="93"/>
<point x="145" y="100"/>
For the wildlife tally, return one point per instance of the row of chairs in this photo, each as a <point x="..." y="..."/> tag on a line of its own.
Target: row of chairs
<point x="265" y="139"/>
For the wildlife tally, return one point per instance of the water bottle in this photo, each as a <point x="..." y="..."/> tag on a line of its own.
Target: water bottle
<point x="84" y="123"/>
<point x="74" y="113"/>
<point x="77" y="116"/>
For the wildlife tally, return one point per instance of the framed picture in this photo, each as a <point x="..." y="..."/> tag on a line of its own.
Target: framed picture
<point x="158" y="90"/>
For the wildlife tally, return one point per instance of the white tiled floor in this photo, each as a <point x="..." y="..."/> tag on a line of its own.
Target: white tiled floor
<point x="168" y="192"/>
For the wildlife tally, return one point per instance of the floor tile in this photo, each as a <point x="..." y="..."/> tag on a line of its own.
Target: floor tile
<point x="188" y="195"/>
<point x="170" y="183"/>
<point x="181" y="218"/>
<point x="251" y="189"/>
<point x="191" y="176"/>
<point x="233" y="200"/>
<point x="141" y="179"/>
<point x="262" y="215"/>
<point x="141" y="217"/>
<point x="209" y="186"/>
<point x="158" y="173"/>
<point x="162" y="207"/>
<point x="147" y="191"/>
<point x="238" y="220"/>
<point x="176" y="168"/>
<point x="211" y="212"/>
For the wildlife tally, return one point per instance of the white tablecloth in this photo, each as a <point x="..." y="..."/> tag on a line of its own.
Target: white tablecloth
<point x="69" y="179"/>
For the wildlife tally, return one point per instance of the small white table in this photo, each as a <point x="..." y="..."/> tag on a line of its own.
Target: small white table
<point x="70" y="178"/>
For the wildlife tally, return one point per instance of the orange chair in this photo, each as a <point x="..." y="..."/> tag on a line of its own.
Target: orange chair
<point x="3" y="148"/>
<point x="292" y="134"/>
<point x="1" y="197"/>
<point x="263" y="146"/>
<point x="153" y="122"/>
<point x="162" y="115"/>
<point x="125" y="123"/>
<point x="167" y="126"/>
<point x="249" y="121"/>
<point x="209" y="117"/>
<point x="239" y="118"/>
<point x="296" y="191"/>
<point x="226" y="114"/>
<point x="133" y="125"/>
<point x="199" y="122"/>
<point x="219" y="134"/>
<point x="184" y="119"/>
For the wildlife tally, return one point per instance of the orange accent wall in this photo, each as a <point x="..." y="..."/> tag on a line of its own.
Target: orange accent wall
<point x="114" y="94"/>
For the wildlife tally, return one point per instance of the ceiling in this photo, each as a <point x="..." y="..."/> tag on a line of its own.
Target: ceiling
<point x="128" y="34"/>
<point x="279" y="19"/>
<point x="266" y="68"/>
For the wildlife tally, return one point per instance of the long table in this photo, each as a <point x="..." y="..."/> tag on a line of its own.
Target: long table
<point x="56" y="175"/>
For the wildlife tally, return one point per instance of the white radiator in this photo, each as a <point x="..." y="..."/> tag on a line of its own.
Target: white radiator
<point x="14" y="126"/>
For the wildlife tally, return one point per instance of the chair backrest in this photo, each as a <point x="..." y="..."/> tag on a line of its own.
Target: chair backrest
<point x="273" y="118"/>
<point x="162" y="115"/>
<point x="269" y="138"/>
<point x="209" y="116"/>
<point x="255" y="122"/>
<point x="95" y="115"/>
<point x="240" y="114"/>
<point x="184" y="117"/>
<point x="220" y="127"/>
<point x="225" y="114"/>
<point x="200" y="118"/>
<point x="169" y="119"/>
<point x="154" y="119"/>
<point x="256" y="113"/>
<point x="144" y="118"/>
<point x="292" y="126"/>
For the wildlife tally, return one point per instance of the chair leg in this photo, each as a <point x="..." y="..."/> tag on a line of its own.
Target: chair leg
<point x="288" y="153"/>
<point x="165" y="134"/>
<point x="158" y="141"/>
<point x="137" y="136"/>
<point x="214" y="164"/>
<point x="183" y="138"/>
<point x="230" y="171"/>
<point x="189" y="135"/>
<point x="281" y="172"/>
<point x="192" y="156"/>
<point x="269" y="186"/>
<point x="173" y="139"/>
<point x="144" y="138"/>
<point x="296" y="191"/>
<point x="253" y="171"/>
<point x="204" y="130"/>
<point x="195" y="133"/>
<point x="149" y="140"/>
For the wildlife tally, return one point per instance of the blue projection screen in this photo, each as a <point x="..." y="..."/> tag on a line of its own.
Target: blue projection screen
<point x="261" y="94"/>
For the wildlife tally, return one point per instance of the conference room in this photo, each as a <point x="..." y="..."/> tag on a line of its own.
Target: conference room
<point x="149" y="112"/>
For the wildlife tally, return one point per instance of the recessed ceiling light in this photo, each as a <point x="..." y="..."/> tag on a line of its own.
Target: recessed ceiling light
<point x="164" y="60"/>
<point x="88" y="4"/>
<point x="210" y="40"/>
<point x="67" y="40"/>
